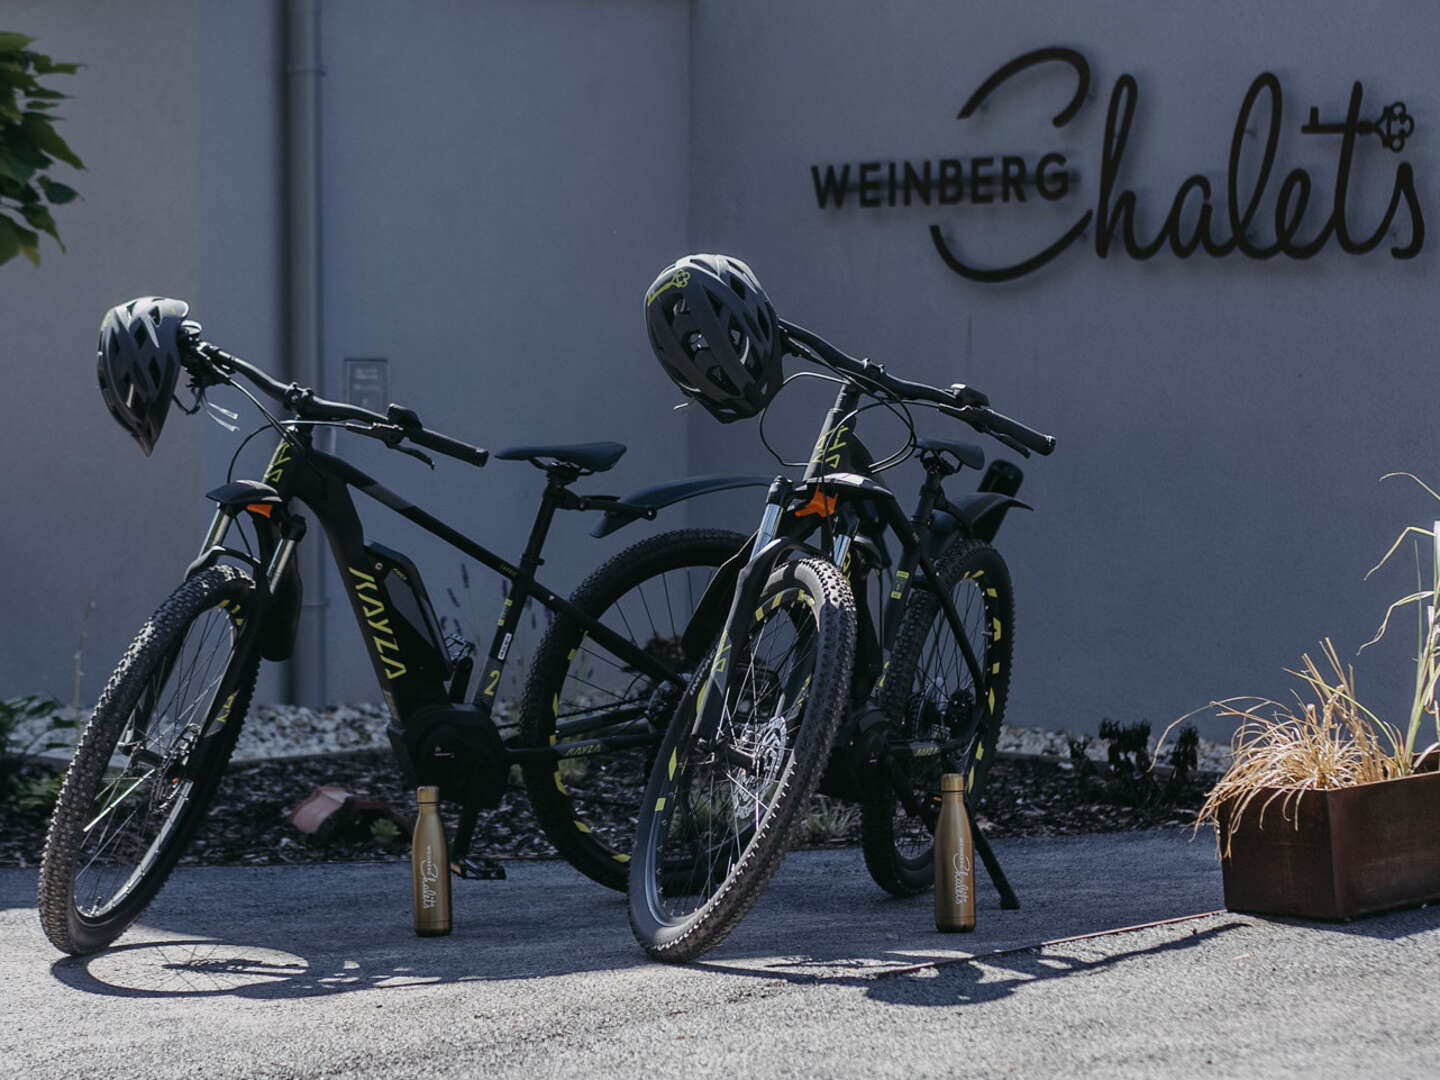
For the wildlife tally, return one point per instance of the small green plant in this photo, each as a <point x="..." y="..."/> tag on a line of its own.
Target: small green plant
<point x="384" y="830"/>
<point x="1128" y="747"/>
<point x="29" y="146"/>
<point x="829" y="821"/>
<point x="43" y="718"/>
<point x="571" y="770"/>
<point x="38" y="792"/>
<point x="1132" y="765"/>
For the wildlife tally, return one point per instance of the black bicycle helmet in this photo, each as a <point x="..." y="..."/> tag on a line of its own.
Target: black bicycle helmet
<point x="139" y="363"/>
<point x="714" y="332"/>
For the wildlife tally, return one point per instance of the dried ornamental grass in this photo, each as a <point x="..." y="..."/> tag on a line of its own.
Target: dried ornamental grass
<point x="1330" y="742"/>
<point x="1426" y="599"/>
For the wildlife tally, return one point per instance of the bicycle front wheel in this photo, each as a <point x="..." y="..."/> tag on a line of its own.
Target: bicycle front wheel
<point x="148" y="762"/>
<point x="603" y="717"/>
<point x="930" y="696"/>
<point x="721" y="806"/>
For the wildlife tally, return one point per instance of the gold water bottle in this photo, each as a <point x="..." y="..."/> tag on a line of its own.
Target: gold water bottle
<point x="430" y="866"/>
<point x="954" y="859"/>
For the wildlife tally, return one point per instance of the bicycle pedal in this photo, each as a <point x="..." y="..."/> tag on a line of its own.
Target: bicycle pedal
<point x="478" y="869"/>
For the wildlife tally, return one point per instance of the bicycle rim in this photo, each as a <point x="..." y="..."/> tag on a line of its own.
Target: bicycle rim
<point x="588" y="802"/>
<point x="721" y="806"/>
<point x="155" y="766"/>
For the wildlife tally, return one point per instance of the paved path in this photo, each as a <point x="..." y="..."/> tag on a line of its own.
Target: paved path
<point x="313" y="972"/>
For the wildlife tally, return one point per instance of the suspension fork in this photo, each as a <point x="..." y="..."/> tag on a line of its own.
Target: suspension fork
<point x="284" y="531"/>
<point x="751" y="579"/>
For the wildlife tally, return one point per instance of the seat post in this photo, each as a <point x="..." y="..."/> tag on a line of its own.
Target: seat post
<point x="556" y="479"/>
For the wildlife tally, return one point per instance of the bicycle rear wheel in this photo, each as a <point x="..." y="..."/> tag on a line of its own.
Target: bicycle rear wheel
<point x="577" y="692"/>
<point x="719" y="811"/>
<point x="148" y="762"/>
<point x="930" y="697"/>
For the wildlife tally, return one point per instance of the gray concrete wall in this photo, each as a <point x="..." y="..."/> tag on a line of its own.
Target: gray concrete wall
<point x="1223" y="423"/>
<point x="91" y="519"/>
<point x="496" y="192"/>
<point x="495" y="195"/>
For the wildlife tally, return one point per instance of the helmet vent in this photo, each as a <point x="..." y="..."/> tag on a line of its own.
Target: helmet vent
<point x="139" y="334"/>
<point x="737" y="334"/>
<point x="155" y="370"/>
<point x="155" y="313"/>
<point x="717" y="376"/>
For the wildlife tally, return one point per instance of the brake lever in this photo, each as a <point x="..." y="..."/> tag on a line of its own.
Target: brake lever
<point x="419" y="456"/>
<point x="1014" y="444"/>
<point x="392" y="435"/>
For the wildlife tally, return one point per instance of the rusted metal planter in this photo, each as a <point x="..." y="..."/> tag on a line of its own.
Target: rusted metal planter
<point x="1336" y="854"/>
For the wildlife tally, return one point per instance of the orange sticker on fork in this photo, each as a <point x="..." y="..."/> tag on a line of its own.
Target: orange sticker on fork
<point x="819" y="503"/>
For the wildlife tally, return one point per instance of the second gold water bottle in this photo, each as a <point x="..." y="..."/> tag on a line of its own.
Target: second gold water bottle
<point x="954" y="859"/>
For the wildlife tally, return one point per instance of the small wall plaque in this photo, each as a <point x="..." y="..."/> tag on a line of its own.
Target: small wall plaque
<point x="367" y="383"/>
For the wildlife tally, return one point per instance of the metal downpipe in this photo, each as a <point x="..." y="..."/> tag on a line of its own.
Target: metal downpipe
<point x="305" y="679"/>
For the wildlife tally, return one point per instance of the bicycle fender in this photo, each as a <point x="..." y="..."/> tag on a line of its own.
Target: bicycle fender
<point x="281" y="620"/>
<point x="736" y="586"/>
<point x="709" y="615"/>
<point x="282" y="617"/>
<point x="979" y="514"/>
<point x="645" y="502"/>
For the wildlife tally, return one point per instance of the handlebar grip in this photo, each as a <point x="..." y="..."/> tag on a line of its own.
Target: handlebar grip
<point x="1026" y="436"/>
<point x="990" y="422"/>
<point x="443" y="444"/>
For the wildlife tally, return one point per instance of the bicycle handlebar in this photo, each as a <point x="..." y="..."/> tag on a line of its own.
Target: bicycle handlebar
<point x="962" y="402"/>
<point x="304" y="403"/>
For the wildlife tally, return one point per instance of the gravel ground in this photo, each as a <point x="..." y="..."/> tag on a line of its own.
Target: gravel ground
<point x="273" y="731"/>
<point x="1042" y="784"/>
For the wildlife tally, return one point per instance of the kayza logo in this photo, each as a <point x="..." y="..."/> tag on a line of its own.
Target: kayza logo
<point x="1255" y="212"/>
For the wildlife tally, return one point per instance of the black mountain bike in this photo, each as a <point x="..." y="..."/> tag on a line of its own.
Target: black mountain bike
<point x="602" y="685"/>
<point x="812" y="683"/>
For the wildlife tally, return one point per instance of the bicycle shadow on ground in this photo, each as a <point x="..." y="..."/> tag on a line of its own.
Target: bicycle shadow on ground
<point x="275" y="932"/>
<point x="990" y="976"/>
<point x="822" y="915"/>
<point x="268" y="934"/>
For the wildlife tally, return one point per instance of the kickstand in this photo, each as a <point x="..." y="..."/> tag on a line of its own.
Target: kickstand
<point x="461" y="865"/>
<point x="1008" y="900"/>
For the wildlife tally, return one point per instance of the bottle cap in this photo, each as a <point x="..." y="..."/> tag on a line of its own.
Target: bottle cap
<point x="952" y="781"/>
<point x="428" y="794"/>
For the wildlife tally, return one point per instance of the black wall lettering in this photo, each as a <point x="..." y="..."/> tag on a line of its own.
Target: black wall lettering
<point x="1193" y="221"/>
<point x="869" y="195"/>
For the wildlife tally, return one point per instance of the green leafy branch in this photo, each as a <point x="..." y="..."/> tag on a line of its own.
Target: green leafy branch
<point x="29" y="147"/>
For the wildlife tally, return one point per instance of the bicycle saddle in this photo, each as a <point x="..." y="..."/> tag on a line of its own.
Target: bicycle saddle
<point x="965" y="453"/>
<point x="594" y="457"/>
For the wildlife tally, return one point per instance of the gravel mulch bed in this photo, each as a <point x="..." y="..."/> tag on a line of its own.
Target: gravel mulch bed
<point x="248" y="824"/>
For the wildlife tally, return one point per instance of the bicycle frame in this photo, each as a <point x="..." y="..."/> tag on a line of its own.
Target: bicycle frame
<point x="842" y="498"/>
<point x="401" y="633"/>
